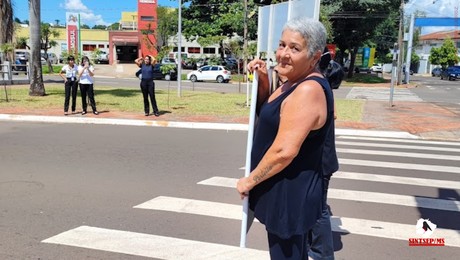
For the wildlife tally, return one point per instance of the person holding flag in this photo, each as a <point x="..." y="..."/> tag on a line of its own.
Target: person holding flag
<point x="285" y="185"/>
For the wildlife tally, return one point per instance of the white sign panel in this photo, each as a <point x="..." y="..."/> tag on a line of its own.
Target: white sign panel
<point x="273" y="17"/>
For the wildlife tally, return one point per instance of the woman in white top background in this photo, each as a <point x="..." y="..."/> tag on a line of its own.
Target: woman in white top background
<point x="69" y="74"/>
<point x="86" y="74"/>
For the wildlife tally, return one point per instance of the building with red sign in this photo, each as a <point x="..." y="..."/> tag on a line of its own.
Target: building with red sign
<point x="137" y="35"/>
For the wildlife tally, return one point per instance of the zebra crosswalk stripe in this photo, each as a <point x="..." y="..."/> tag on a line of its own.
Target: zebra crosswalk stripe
<point x="154" y="246"/>
<point x="399" y="154"/>
<point x="397" y="180"/>
<point x="398" y="146"/>
<point x="339" y="224"/>
<point x="414" y="141"/>
<point x="396" y="165"/>
<point x="363" y="196"/>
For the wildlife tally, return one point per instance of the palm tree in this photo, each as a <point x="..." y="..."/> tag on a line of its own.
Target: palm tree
<point x="37" y="88"/>
<point x="6" y="22"/>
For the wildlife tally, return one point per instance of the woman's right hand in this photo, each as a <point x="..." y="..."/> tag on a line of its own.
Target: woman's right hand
<point x="257" y="65"/>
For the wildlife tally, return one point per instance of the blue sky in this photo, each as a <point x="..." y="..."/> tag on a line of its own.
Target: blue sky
<point x="109" y="11"/>
<point x="92" y="12"/>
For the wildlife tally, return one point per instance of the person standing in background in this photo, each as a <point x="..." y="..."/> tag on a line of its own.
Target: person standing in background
<point x="86" y="74"/>
<point x="321" y="244"/>
<point x="147" y="83"/>
<point x="69" y="73"/>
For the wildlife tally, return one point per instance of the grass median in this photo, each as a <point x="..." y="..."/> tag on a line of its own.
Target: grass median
<point x="191" y="103"/>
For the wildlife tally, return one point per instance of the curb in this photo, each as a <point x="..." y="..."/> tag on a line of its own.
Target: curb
<point x="189" y="125"/>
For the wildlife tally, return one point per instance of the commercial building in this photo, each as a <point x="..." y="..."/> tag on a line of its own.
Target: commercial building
<point x="433" y="40"/>
<point x="134" y="38"/>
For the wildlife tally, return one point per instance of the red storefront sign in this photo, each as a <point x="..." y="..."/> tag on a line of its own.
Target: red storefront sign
<point x="72" y="33"/>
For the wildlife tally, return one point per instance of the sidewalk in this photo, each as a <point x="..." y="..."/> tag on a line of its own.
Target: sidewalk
<point x="426" y="120"/>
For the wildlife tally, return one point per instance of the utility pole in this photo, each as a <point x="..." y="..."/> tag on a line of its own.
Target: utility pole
<point x="400" y="42"/>
<point x="409" y="48"/>
<point x="245" y="38"/>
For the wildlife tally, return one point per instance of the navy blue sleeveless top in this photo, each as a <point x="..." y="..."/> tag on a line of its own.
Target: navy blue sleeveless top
<point x="290" y="202"/>
<point x="147" y="72"/>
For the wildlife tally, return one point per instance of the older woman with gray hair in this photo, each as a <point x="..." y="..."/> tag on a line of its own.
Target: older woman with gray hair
<point x="285" y="186"/>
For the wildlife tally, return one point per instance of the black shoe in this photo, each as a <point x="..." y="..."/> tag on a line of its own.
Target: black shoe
<point x="66" y="113"/>
<point x="74" y="112"/>
<point x="146" y="114"/>
<point x="83" y="113"/>
<point x="156" y="114"/>
<point x="96" y="113"/>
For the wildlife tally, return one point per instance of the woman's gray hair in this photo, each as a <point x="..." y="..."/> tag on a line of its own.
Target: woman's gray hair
<point x="312" y="31"/>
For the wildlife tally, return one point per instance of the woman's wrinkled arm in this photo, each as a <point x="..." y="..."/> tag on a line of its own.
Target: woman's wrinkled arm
<point x="303" y="111"/>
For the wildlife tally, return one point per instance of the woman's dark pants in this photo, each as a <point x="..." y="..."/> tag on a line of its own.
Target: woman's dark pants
<point x="148" y="89"/>
<point x="87" y="89"/>
<point x="70" y="87"/>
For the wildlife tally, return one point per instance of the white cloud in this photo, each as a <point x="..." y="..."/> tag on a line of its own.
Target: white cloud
<point x="87" y="16"/>
<point x="434" y="8"/>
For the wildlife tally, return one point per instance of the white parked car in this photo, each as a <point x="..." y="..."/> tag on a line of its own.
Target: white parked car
<point x="103" y="57"/>
<point x="210" y="73"/>
<point x="377" y="68"/>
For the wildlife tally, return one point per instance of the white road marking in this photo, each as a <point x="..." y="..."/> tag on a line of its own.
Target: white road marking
<point x="339" y="224"/>
<point x="395" y="165"/>
<point x="382" y="94"/>
<point x="399" y="154"/>
<point x="146" y="245"/>
<point x="394" y="199"/>
<point x="414" y="141"/>
<point x="190" y="206"/>
<point x="397" y="180"/>
<point x="361" y="196"/>
<point x="380" y="145"/>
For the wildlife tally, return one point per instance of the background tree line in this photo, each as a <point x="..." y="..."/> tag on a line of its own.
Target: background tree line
<point x="351" y="24"/>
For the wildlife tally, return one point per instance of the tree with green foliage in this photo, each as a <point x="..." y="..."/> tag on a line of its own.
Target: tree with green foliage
<point x="84" y="26"/>
<point x="46" y="41"/>
<point x="100" y="27"/>
<point x="446" y="55"/>
<point x="356" y="21"/>
<point x="166" y="27"/>
<point x="6" y="22"/>
<point x="21" y="43"/>
<point x="6" y="51"/>
<point x="386" y="34"/>
<point x="212" y="21"/>
<point x="114" y="26"/>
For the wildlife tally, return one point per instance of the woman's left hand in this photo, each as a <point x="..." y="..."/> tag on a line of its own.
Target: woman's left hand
<point x="243" y="187"/>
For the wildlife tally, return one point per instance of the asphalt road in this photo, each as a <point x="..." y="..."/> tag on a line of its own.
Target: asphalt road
<point x="83" y="191"/>
<point x="435" y="90"/>
<point x="161" y="84"/>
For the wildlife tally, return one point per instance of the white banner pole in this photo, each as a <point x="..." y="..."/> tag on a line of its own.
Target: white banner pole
<point x="247" y="171"/>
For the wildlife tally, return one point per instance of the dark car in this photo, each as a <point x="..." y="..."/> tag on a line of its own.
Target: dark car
<point x="158" y="74"/>
<point x="189" y="64"/>
<point x="230" y="63"/>
<point x="451" y="73"/>
<point x="436" y="72"/>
